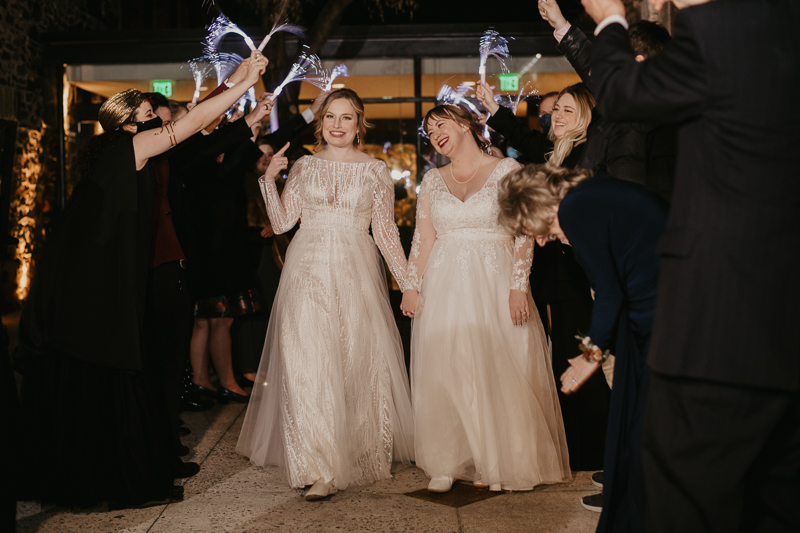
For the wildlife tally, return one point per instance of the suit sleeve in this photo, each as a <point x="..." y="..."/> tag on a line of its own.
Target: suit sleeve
<point x="670" y="87"/>
<point x="287" y="132"/>
<point x="532" y="143"/>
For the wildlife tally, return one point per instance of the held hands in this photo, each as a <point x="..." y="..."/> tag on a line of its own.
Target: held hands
<point x="518" y="305"/>
<point x="267" y="232"/>
<point x="602" y="9"/>
<point x="578" y="372"/>
<point x="279" y="162"/>
<point x="409" y="304"/>
<point x="486" y="96"/>
<point x="550" y="12"/>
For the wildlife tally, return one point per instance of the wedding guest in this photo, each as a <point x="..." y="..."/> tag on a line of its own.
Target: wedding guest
<point x="485" y="401"/>
<point x="93" y="429"/>
<point x="613" y="226"/>
<point x="724" y="356"/>
<point x="331" y="405"/>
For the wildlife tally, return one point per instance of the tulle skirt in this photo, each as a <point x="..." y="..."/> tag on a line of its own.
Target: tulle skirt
<point x="331" y="400"/>
<point x="485" y="401"/>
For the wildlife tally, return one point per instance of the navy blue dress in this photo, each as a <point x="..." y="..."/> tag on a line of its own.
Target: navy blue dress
<point x="613" y="227"/>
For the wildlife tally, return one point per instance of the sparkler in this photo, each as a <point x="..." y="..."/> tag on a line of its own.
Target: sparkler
<point x="493" y="44"/>
<point x="201" y="69"/>
<point x="338" y="70"/>
<point x="220" y="28"/>
<point x="308" y="69"/>
<point x="282" y="26"/>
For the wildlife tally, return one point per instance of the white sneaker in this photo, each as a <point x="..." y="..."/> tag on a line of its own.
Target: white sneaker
<point x="319" y="490"/>
<point x="440" y="484"/>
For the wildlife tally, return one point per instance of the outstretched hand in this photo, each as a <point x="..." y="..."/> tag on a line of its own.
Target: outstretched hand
<point x="579" y="371"/>
<point x="262" y="109"/>
<point x="256" y="68"/>
<point x="550" y="12"/>
<point x="279" y="162"/>
<point x="602" y="9"/>
<point x="485" y="96"/>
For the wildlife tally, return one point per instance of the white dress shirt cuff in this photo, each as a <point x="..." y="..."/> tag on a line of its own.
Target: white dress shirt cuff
<point x="308" y="115"/>
<point x="611" y="20"/>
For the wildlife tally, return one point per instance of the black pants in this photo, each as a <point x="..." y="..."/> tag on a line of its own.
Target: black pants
<point x="168" y="329"/>
<point x="719" y="457"/>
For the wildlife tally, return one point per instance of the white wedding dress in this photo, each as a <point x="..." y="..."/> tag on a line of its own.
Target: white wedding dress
<point x="485" y="402"/>
<point x="331" y="401"/>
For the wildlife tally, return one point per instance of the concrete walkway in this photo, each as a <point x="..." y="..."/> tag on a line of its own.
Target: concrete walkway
<point x="230" y="494"/>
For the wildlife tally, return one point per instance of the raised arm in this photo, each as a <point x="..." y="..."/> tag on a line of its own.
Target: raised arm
<point x="421" y="246"/>
<point x="151" y="143"/>
<point x="283" y="211"/>
<point x="384" y="230"/>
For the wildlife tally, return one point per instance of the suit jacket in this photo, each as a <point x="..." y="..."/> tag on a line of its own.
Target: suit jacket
<point x="729" y="300"/>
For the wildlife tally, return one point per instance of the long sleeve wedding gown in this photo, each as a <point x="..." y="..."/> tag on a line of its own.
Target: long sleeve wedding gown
<point x="485" y="400"/>
<point x="331" y="401"/>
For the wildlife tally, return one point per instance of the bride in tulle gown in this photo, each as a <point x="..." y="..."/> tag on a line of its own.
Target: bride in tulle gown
<point x="485" y="402"/>
<point x="331" y="402"/>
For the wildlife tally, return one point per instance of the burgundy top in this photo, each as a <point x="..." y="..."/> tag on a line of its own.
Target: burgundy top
<point x="166" y="247"/>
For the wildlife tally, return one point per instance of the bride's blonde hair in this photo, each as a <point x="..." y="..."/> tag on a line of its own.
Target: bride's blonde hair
<point x="584" y="102"/>
<point x="361" y="119"/>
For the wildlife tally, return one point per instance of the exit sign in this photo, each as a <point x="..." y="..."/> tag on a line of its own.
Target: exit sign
<point x="162" y="86"/>
<point x="509" y="82"/>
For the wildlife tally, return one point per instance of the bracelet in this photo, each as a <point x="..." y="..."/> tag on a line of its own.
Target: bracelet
<point x="592" y="352"/>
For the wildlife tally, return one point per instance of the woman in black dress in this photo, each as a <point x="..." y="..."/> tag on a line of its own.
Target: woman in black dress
<point x="93" y="432"/>
<point x="613" y="226"/>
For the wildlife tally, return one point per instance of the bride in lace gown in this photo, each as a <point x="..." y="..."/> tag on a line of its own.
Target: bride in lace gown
<point x="331" y="402"/>
<point x="485" y="402"/>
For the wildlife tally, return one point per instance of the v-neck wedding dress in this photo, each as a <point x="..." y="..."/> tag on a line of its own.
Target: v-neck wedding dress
<point x="485" y="401"/>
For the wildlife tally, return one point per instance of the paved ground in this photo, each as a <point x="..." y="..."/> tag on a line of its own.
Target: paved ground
<point x="229" y="494"/>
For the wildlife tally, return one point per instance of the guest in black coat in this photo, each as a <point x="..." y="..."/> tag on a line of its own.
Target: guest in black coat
<point x="613" y="226"/>
<point x="636" y="151"/>
<point x="722" y="431"/>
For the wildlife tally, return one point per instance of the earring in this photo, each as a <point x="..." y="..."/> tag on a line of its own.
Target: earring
<point x="358" y="140"/>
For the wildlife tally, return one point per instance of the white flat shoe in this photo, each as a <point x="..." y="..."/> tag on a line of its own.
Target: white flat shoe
<point x="319" y="490"/>
<point x="440" y="484"/>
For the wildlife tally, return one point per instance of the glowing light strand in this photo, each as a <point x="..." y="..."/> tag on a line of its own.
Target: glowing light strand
<point x="336" y="72"/>
<point x="512" y="102"/>
<point x="282" y="26"/>
<point x="222" y="27"/>
<point x="308" y="68"/>
<point x="201" y="69"/>
<point x="493" y="45"/>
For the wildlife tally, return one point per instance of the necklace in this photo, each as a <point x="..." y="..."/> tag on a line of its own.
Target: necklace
<point x="470" y="178"/>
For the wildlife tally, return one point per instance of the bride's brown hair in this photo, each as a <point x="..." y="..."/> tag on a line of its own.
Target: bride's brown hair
<point x="461" y="116"/>
<point x="361" y="119"/>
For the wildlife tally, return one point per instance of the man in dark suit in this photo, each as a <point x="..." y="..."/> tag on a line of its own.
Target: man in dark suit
<point x="721" y="448"/>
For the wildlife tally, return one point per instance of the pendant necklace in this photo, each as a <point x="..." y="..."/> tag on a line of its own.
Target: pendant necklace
<point x="470" y="178"/>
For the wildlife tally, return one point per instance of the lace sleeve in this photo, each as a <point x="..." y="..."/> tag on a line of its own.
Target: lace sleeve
<point x="424" y="237"/>
<point x="283" y="211"/>
<point x="523" y="258"/>
<point x="384" y="229"/>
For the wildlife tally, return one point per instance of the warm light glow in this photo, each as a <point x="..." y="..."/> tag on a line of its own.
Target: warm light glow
<point x="468" y="83"/>
<point x="23" y="207"/>
<point x="337" y="86"/>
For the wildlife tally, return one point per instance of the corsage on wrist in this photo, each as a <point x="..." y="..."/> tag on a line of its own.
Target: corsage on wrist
<point x="592" y="352"/>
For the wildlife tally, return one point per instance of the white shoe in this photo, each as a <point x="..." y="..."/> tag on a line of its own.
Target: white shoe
<point x="440" y="484"/>
<point x="319" y="490"/>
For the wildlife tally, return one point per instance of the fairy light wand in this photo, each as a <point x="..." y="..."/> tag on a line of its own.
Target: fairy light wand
<point x="282" y="26"/>
<point x="201" y="69"/>
<point x="513" y="102"/>
<point x="337" y="71"/>
<point x="493" y="44"/>
<point x="220" y="28"/>
<point x="308" y="68"/>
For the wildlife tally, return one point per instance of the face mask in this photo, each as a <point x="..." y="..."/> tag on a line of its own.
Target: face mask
<point x="544" y="122"/>
<point x="151" y="124"/>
